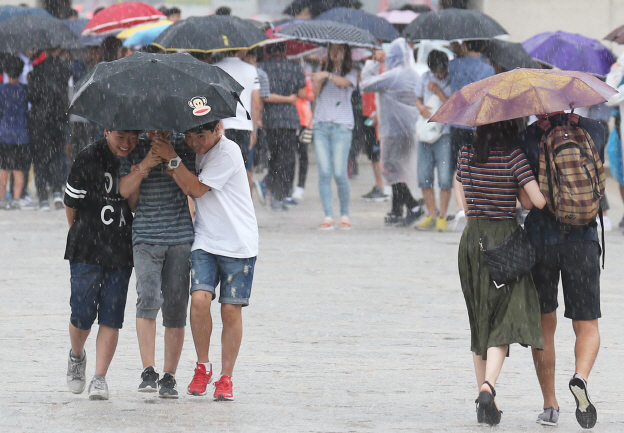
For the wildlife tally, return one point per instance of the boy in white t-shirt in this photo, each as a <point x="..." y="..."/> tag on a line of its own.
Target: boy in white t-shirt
<point x="225" y="247"/>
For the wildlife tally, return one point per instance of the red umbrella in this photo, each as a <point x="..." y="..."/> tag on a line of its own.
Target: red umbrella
<point x="293" y="48"/>
<point x="120" y="16"/>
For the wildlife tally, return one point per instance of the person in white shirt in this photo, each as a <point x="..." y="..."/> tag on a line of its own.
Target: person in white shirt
<point x="225" y="247"/>
<point x="241" y="129"/>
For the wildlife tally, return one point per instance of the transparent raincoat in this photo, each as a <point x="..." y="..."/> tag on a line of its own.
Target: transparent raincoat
<point x="396" y="111"/>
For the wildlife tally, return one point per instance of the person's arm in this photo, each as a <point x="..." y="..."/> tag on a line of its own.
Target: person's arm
<point x="256" y="114"/>
<point x="186" y="180"/>
<point x="302" y="93"/>
<point x="71" y="215"/>
<point x="130" y="183"/>
<point x="317" y="81"/>
<point x="280" y="99"/>
<point x="438" y="91"/>
<point x="460" y="195"/>
<point x="133" y="201"/>
<point x="425" y="111"/>
<point x="530" y="195"/>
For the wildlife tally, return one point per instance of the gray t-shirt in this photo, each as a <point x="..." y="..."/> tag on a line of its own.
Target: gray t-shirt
<point x="333" y="104"/>
<point x="162" y="216"/>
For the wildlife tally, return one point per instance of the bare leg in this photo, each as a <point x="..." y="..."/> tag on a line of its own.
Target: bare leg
<point x="587" y="345"/>
<point x="18" y="184"/>
<point x="105" y="348"/>
<point x="430" y="201"/>
<point x="78" y="338"/>
<point x="174" y="340"/>
<point x="544" y="360"/>
<point x="377" y="172"/>
<point x="231" y="338"/>
<point x="201" y="323"/>
<point x="4" y="177"/>
<point x="494" y="364"/>
<point x="445" y="198"/>
<point x="479" y="366"/>
<point x="146" y="332"/>
<point x="622" y="192"/>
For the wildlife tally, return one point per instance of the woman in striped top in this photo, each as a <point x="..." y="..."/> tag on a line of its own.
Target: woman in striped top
<point x="493" y="173"/>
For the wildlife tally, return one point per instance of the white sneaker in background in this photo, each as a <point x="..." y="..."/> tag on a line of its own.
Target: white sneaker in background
<point x="459" y="222"/>
<point x="607" y="223"/>
<point x="298" y="193"/>
<point x="388" y="190"/>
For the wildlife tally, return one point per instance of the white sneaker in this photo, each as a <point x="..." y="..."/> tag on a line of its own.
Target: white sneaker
<point x="298" y="193"/>
<point x="459" y="222"/>
<point x="388" y="190"/>
<point x="98" y="389"/>
<point x="76" y="367"/>
<point x="27" y="204"/>
<point x="607" y="223"/>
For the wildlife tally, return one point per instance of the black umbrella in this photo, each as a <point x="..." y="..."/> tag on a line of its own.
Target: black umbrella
<point x="32" y="32"/>
<point x="509" y="55"/>
<point x="453" y="25"/>
<point x="328" y="32"/>
<point x="209" y="34"/>
<point x="377" y="26"/>
<point x="317" y="7"/>
<point x="155" y="91"/>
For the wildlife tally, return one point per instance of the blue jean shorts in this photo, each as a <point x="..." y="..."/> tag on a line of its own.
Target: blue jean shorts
<point x="437" y="154"/>
<point x="98" y="292"/>
<point x="234" y="276"/>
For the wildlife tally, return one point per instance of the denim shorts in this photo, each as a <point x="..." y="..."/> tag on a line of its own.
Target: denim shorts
<point x="98" y="292"/>
<point x="234" y="275"/>
<point x="437" y="154"/>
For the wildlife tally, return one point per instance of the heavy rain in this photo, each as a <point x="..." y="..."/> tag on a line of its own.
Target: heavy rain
<point x="311" y="215"/>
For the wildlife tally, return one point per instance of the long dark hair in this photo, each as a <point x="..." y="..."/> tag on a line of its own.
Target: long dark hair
<point x="499" y="134"/>
<point x="347" y="61"/>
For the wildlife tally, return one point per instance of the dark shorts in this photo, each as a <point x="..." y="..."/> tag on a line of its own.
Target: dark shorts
<point x="233" y="275"/>
<point x="578" y="263"/>
<point x="243" y="139"/>
<point x="460" y="137"/>
<point x="98" y="292"/>
<point x="371" y="144"/>
<point x="14" y="157"/>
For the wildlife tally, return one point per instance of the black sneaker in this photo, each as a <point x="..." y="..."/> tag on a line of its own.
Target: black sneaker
<point x="585" y="411"/>
<point x="393" y="219"/>
<point x="412" y="217"/>
<point x="167" y="387"/>
<point x="149" y="378"/>
<point x="375" y="194"/>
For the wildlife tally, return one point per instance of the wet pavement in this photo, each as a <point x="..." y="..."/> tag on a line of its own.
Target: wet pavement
<point x="347" y="331"/>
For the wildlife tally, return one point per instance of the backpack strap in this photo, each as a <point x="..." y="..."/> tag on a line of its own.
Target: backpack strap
<point x="603" y="239"/>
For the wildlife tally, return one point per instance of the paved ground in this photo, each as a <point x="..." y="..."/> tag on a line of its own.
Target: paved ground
<point x="362" y="331"/>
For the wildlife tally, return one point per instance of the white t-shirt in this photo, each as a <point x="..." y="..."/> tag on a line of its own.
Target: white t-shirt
<point x="225" y="223"/>
<point x="247" y="76"/>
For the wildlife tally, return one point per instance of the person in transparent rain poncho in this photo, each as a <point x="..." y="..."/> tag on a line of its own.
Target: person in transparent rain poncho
<point x="396" y="89"/>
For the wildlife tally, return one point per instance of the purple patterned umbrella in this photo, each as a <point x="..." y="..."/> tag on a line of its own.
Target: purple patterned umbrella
<point x="570" y="52"/>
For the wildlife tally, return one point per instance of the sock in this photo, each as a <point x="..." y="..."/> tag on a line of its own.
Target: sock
<point x="170" y="374"/>
<point x="99" y="376"/>
<point x="208" y="365"/>
<point x="75" y="357"/>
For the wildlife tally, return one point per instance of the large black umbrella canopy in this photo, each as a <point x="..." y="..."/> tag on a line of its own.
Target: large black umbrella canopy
<point x="155" y="92"/>
<point x="32" y="32"/>
<point x="210" y="34"/>
<point x="453" y="25"/>
<point x="377" y="26"/>
<point x="509" y="55"/>
<point x="328" y="32"/>
<point x="317" y="7"/>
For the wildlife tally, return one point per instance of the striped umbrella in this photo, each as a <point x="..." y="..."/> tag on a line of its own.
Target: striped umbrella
<point x="320" y="32"/>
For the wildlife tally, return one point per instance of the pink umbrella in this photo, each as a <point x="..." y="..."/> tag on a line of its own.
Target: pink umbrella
<point x="117" y="17"/>
<point x="398" y="17"/>
<point x="520" y="93"/>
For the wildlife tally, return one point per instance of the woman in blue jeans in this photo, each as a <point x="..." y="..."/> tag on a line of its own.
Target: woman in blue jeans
<point x="333" y="126"/>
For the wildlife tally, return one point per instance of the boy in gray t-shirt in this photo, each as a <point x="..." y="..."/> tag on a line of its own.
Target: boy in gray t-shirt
<point x="162" y="236"/>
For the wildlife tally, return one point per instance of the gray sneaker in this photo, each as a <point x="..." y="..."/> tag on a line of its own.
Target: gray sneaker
<point x="76" y="367"/>
<point x="98" y="389"/>
<point x="375" y="194"/>
<point x="550" y="416"/>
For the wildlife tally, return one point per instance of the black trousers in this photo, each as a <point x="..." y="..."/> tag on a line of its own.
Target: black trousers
<point x="401" y="196"/>
<point x="47" y="144"/>
<point x="302" y="151"/>
<point x="282" y="144"/>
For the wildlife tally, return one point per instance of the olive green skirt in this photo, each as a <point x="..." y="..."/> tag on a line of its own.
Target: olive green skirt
<point x="502" y="316"/>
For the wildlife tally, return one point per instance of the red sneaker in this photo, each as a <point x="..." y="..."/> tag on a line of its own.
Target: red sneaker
<point x="200" y="380"/>
<point x="223" y="389"/>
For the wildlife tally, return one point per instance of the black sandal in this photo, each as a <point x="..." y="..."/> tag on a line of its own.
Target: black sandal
<point x="479" y="411"/>
<point x="486" y="405"/>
